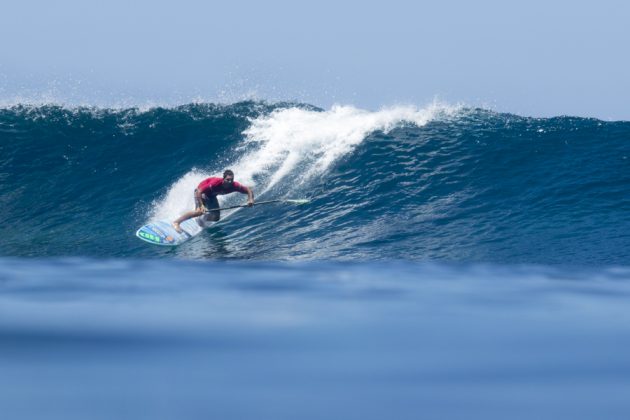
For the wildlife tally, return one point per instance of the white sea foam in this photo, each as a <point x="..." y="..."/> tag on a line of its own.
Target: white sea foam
<point x="301" y="144"/>
<point x="179" y="198"/>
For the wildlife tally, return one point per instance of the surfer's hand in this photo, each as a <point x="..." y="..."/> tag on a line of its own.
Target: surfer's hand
<point x="250" y="203"/>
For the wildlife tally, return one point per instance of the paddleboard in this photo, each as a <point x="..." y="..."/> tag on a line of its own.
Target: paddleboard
<point x="163" y="233"/>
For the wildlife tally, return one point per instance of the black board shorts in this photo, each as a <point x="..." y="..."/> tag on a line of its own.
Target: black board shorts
<point x="209" y="202"/>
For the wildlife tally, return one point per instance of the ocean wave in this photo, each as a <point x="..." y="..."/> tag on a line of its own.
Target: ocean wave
<point x="440" y="182"/>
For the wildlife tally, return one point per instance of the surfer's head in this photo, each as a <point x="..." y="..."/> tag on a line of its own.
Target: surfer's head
<point x="228" y="177"/>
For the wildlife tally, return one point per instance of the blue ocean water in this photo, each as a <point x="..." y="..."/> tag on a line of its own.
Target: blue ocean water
<point x="453" y="263"/>
<point x="415" y="184"/>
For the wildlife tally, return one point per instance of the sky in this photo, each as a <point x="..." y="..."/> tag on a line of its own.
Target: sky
<point x="534" y="58"/>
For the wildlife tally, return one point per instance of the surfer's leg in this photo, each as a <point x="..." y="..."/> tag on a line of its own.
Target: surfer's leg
<point x="212" y="203"/>
<point x="188" y="215"/>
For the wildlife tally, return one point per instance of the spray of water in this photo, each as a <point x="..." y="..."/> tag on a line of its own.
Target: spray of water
<point x="297" y="143"/>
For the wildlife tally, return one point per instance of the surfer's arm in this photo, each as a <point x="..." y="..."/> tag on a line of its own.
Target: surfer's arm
<point x="250" y="196"/>
<point x="199" y="196"/>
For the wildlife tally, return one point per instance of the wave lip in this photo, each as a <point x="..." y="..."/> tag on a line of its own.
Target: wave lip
<point x="312" y="141"/>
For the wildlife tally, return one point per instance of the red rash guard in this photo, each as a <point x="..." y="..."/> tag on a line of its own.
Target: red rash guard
<point x="214" y="186"/>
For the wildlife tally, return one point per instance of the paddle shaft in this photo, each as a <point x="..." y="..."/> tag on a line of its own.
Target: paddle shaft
<point x="245" y="205"/>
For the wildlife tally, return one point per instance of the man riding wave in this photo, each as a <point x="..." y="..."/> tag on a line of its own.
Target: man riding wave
<point x="206" y="201"/>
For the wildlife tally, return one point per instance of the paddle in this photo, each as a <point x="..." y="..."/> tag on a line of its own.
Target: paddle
<point x="258" y="203"/>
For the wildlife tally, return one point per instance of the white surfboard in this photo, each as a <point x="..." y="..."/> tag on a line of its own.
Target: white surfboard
<point x="163" y="233"/>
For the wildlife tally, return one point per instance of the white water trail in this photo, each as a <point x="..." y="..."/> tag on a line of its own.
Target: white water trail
<point x="298" y="144"/>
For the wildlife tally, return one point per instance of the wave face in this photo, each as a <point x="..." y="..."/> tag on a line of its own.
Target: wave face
<point x="439" y="183"/>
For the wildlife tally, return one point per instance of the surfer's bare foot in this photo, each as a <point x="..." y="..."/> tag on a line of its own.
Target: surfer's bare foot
<point x="177" y="228"/>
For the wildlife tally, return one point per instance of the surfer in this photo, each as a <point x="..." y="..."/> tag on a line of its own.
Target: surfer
<point x="206" y="197"/>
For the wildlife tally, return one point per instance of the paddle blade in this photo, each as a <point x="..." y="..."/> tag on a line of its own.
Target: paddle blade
<point x="299" y="202"/>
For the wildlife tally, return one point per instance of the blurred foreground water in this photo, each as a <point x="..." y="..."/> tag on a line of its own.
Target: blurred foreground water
<point x="145" y="339"/>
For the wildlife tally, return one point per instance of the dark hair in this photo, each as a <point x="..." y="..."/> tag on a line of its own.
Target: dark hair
<point x="228" y="172"/>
